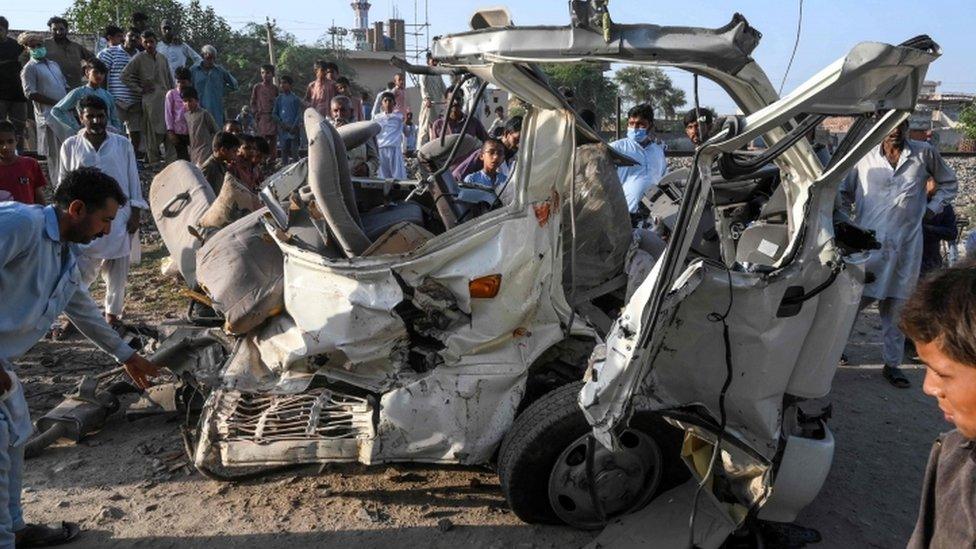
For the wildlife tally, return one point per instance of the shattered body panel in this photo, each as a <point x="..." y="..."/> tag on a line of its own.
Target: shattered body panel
<point x="446" y="371"/>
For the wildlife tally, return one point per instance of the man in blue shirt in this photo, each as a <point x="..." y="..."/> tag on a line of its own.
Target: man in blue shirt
<point x="287" y="113"/>
<point x="638" y="145"/>
<point x="39" y="280"/>
<point x="211" y="81"/>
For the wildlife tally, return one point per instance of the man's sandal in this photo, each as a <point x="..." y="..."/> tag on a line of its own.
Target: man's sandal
<point x="895" y="377"/>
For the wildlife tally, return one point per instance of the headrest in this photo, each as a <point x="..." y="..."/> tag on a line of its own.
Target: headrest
<point x="433" y="154"/>
<point x="357" y="133"/>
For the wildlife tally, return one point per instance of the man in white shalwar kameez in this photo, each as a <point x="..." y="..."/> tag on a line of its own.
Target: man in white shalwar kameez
<point x="390" y="139"/>
<point x="887" y="192"/>
<point x="111" y="153"/>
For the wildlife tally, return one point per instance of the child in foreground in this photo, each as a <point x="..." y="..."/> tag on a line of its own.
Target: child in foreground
<point x="200" y="125"/>
<point x="224" y="154"/>
<point x="492" y="157"/>
<point x="21" y="178"/>
<point x="940" y="318"/>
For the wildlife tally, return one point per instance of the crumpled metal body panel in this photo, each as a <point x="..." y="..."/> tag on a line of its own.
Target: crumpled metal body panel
<point x="358" y="320"/>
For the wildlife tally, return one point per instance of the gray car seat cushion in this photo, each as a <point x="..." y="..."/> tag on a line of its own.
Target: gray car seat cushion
<point x="379" y="220"/>
<point x="328" y="177"/>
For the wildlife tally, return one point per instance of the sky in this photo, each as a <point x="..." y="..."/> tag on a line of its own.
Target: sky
<point x="830" y="27"/>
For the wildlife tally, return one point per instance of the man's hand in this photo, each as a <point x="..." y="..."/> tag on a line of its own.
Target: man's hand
<point x="140" y="369"/>
<point x="361" y="170"/>
<point x="132" y="225"/>
<point x="5" y="382"/>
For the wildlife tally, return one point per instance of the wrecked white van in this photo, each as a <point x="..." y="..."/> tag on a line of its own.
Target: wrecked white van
<point x="418" y="321"/>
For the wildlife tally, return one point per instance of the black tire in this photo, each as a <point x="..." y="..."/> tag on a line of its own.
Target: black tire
<point x="546" y="428"/>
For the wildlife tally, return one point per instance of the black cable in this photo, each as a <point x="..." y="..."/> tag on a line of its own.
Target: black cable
<point x="723" y="318"/>
<point x="799" y="26"/>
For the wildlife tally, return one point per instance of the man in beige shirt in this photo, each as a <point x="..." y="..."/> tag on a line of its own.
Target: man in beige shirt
<point x="148" y="74"/>
<point x="67" y="54"/>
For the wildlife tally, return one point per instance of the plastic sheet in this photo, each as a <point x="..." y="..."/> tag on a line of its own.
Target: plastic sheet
<point x="603" y="231"/>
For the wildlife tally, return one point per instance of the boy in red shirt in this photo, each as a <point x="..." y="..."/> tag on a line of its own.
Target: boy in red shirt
<point x="21" y="178"/>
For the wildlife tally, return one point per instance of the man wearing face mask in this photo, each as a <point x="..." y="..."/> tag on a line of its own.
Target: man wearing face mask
<point x="67" y="54"/>
<point x="43" y="84"/>
<point x="649" y="156"/>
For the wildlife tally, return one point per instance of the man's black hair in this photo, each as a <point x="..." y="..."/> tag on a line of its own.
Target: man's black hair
<point x="188" y="93"/>
<point x="148" y="33"/>
<point x="287" y="79"/>
<point x="55" y="20"/>
<point x="225" y="140"/>
<point x="138" y="16"/>
<point x="644" y="110"/>
<point x="385" y="95"/>
<point x="4" y="23"/>
<point x="325" y="65"/>
<point x="111" y="30"/>
<point x="7" y="126"/>
<point x="247" y="139"/>
<point x="343" y="80"/>
<point x="943" y="309"/>
<point x="92" y="102"/>
<point x="263" y="146"/>
<point x="96" y="64"/>
<point x="90" y="185"/>
<point x="589" y="117"/>
<point x="183" y="73"/>
<point x="268" y="67"/>
<point x="705" y="113"/>
<point x="493" y="141"/>
<point x="513" y="124"/>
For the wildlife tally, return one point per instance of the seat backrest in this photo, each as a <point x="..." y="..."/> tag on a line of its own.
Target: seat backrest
<point x="355" y="134"/>
<point x="330" y="181"/>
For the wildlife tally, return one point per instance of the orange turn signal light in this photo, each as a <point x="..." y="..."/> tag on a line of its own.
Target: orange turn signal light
<point x="485" y="287"/>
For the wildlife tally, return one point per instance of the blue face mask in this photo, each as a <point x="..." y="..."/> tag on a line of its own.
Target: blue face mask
<point x="38" y="53"/>
<point x="637" y="134"/>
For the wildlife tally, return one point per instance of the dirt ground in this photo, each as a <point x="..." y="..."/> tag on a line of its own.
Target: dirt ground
<point x="129" y="485"/>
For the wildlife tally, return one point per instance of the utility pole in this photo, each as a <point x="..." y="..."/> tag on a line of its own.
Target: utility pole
<point x="269" y="26"/>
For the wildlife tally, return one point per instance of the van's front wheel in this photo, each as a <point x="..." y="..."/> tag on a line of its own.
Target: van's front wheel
<point x="552" y="470"/>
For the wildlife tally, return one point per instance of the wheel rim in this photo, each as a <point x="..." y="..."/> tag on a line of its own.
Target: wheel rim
<point x="624" y="480"/>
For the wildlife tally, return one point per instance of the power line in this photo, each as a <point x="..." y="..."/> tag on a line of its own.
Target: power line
<point x="799" y="26"/>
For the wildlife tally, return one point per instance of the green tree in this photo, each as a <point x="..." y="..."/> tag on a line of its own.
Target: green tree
<point x="91" y="16"/>
<point x="967" y="121"/>
<point x="591" y="88"/>
<point x="649" y="85"/>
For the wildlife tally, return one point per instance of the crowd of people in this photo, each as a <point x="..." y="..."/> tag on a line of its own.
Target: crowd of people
<point x="149" y="98"/>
